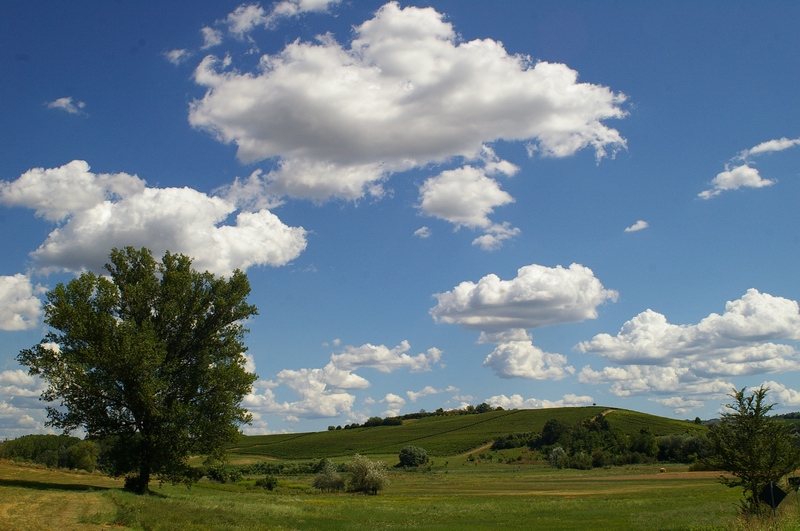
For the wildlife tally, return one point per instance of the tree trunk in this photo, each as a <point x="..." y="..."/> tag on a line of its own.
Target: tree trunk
<point x="140" y="483"/>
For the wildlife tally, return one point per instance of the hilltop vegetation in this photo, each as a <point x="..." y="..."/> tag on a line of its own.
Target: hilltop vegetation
<point x="448" y="435"/>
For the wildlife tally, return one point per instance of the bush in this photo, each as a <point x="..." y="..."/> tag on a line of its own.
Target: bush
<point x="412" y="456"/>
<point x="328" y="479"/>
<point x="557" y="457"/>
<point x="267" y="482"/>
<point x="366" y="476"/>
<point x="514" y="440"/>
<point x="222" y="474"/>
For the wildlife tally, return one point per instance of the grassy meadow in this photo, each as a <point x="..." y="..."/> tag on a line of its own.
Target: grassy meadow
<point x="466" y="486"/>
<point x="455" y="494"/>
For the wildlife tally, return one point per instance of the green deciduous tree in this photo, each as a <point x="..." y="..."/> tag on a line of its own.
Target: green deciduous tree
<point x="149" y="360"/>
<point x="411" y="456"/>
<point x="753" y="447"/>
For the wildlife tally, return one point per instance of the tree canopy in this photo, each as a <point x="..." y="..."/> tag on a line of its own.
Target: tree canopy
<point x="149" y="360"/>
<point x="753" y="447"/>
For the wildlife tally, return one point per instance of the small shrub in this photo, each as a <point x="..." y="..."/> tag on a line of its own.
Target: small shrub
<point x="557" y="457"/>
<point x="267" y="482"/>
<point x="221" y="474"/>
<point x="328" y="479"/>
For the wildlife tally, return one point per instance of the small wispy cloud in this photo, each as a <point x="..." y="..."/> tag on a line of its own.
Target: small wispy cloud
<point x="769" y="146"/>
<point x="211" y="37"/>
<point x="639" y="225"/>
<point x="177" y="57"/>
<point x="743" y="174"/>
<point x="68" y="105"/>
<point x="422" y="232"/>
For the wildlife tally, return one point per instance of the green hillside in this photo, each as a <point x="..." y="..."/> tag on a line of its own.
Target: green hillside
<point x="446" y="435"/>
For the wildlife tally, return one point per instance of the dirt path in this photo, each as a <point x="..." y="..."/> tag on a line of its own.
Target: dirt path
<point x="476" y="450"/>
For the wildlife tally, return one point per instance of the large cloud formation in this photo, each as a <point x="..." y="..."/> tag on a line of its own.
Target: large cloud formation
<point x="538" y="296"/>
<point x="502" y="310"/>
<point x="405" y="93"/>
<point x="692" y="362"/>
<point x="96" y="212"/>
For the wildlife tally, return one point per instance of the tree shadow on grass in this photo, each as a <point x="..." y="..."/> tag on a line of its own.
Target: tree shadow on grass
<point x="41" y="485"/>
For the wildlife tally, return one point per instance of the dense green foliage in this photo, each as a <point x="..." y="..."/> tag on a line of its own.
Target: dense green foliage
<point x="328" y="479"/>
<point x="412" y="456"/>
<point x="594" y="442"/>
<point x="150" y="361"/>
<point x="683" y="448"/>
<point x="753" y="447"/>
<point x="53" y="451"/>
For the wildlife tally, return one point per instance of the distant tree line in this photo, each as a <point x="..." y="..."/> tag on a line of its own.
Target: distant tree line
<point x="53" y="451"/>
<point x="593" y="443"/>
<point x="398" y="420"/>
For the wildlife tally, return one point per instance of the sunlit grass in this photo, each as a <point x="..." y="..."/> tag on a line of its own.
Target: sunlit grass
<point x="456" y="494"/>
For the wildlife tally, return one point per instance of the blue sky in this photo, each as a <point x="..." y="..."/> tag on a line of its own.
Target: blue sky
<point x="530" y="204"/>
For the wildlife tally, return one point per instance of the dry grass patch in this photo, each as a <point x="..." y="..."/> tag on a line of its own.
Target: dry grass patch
<point x="35" y="498"/>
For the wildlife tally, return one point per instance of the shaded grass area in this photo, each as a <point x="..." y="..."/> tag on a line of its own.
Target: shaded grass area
<point x="446" y="435"/>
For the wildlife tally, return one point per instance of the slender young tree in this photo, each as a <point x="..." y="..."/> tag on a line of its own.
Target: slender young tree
<point x="149" y="361"/>
<point x="753" y="447"/>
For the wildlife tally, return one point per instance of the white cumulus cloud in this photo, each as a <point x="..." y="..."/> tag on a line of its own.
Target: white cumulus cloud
<point x="653" y="356"/>
<point x="737" y="342"/>
<point x="20" y="306"/>
<point x="639" y="225"/>
<point x="394" y="404"/>
<point x="785" y="396"/>
<point x="247" y="17"/>
<point x="425" y="391"/>
<point x="384" y="359"/>
<point x="743" y="176"/>
<point x="516" y="401"/>
<point x="465" y="197"/>
<point x="324" y="392"/>
<point x="523" y="359"/>
<point x="770" y="146"/>
<point x="211" y="37"/>
<point x="97" y="212"/>
<point x="405" y="92"/>
<point x="537" y="296"/>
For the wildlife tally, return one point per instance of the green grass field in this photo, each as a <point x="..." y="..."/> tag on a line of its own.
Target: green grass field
<point x="458" y="495"/>
<point x="465" y="487"/>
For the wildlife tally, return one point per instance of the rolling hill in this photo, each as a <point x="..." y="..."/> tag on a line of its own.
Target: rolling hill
<point x="446" y="435"/>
